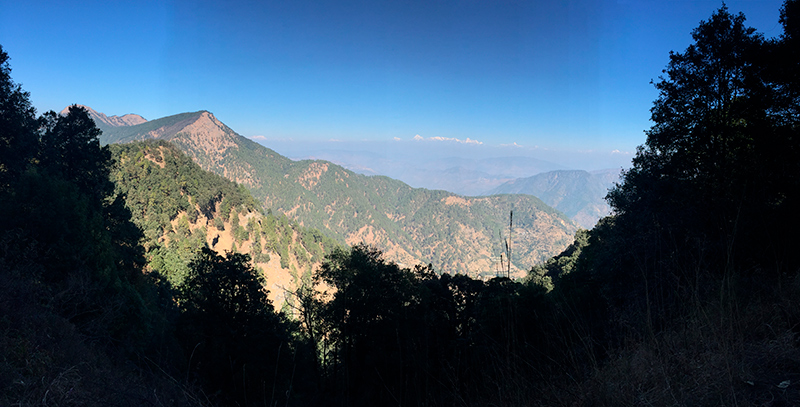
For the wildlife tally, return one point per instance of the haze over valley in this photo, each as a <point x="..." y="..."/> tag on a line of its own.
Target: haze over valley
<point x="464" y="168"/>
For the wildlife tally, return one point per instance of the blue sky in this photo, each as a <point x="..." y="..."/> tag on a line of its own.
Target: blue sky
<point x="559" y="75"/>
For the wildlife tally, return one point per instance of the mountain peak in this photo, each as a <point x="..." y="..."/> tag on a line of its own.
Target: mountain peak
<point x="200" y="134"/>
<point x="101" y="119"/>
<point x="208" y="133"/>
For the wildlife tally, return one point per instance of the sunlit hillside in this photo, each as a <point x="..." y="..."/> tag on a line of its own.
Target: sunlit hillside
<point x="411" y="225"/>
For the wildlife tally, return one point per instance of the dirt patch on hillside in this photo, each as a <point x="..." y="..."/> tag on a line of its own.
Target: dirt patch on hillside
<point x="157" y="160"/>
<point x="377" y="238"/>
<point x="366" y="234"/>
<point x="279" y="280"/>
<point x="456" y="200"/>
<point x="310" y="177"/>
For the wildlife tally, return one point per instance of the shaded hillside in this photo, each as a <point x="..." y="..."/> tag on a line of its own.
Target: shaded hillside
<point x="411" y="225"/>
<point x="181" y="208"/>
<point x="577" y="193"/>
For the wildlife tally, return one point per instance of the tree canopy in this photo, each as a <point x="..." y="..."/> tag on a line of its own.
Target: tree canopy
<point x="719" y="166"/>
<point x="18" y="125"/>
<point x="231" y="334"/>
<point x="70" y="148"/>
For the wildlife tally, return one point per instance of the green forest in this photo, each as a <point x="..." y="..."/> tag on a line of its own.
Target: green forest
<point x="180" y="208"/>
<point x="686" y="295"/>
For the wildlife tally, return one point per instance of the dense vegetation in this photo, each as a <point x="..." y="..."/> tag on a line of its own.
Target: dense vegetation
<point x="181" y="208"/>
<point x="690" y="288"/>
<point x="87" y="316"/>
<point x="686" y="295"/>
<point x="74" y="298"/>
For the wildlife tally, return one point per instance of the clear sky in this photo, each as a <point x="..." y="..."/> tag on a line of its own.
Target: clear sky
<point x="567" y="75"/>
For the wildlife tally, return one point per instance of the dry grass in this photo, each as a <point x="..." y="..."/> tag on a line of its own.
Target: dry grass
<point x="718" y="357"/>
<point x="45" y="360"/>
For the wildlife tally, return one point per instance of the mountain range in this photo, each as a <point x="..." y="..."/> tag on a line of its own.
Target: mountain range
<point x="468" y="170"/>
<point x="579" y="194"/>
<point x="411" y="225"/>
<point x="104" y="122"/>
<point x="464" y="175"/>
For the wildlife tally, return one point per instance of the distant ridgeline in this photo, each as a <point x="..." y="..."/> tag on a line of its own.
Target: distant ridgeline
<point x="181" y="207"/>
<point x="411" y="225"/>
<point x="579" y="194"/>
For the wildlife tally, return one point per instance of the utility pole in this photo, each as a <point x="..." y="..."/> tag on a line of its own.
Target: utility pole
<point x="508" y="242"/>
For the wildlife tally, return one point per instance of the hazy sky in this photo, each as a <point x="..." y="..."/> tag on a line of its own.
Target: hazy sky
<point x="566" y="75"/>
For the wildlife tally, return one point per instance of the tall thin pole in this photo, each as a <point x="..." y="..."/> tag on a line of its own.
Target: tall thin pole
<point x="508" y="244"/>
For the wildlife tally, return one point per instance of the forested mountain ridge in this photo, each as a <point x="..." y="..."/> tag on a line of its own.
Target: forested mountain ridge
<point x="579" y="194"/>
<point x="411" y="225"/>
<point x="182" y="208"/>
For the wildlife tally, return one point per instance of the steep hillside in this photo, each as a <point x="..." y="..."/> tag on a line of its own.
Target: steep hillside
<point x="579" y="194"/>
<point x="181" y="207"/>
<point x="411" y="225"/>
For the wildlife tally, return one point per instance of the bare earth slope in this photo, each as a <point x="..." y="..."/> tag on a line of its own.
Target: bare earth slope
<point x="411" y="225"/>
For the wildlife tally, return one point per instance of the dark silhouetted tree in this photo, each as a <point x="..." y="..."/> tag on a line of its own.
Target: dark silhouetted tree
<point x="235" y="342"/>
<point x="709" y="205"/>
<point x="413" y="337"/>
<point x="367" y="317"/>
<point x="704" y="182"/>
<point x="70" y="149"/>
<point x="18" y="140"/>
<point x="60" y="198"/>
